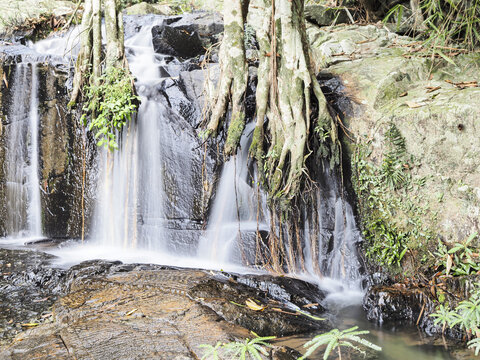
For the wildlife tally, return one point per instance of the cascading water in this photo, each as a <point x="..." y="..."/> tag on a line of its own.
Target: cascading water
<point x="21" y="158"/>
<point x="239" y="211"/>
<point x="131" y="212"/>
<point x="240" y="219"/>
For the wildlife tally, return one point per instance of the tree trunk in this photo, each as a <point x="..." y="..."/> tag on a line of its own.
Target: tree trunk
<point x="286" y="81"/>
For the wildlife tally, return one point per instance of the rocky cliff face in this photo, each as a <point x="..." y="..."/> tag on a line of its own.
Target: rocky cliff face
<point x="409" y="128"/>
<point x="419" y="116"/>
<point x="65" y="150"/>
<point x="59" y="138"/>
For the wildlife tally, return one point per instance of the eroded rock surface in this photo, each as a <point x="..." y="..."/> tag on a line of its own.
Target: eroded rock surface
<point x="111" y="310"/>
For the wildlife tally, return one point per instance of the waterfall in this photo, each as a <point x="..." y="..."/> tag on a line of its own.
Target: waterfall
<point x="21" y="157"/>
<point x="147" y="188"/>
<point x="239" y="224"/>
<point x="239" y="212"/>
<point x="130" y="212"/>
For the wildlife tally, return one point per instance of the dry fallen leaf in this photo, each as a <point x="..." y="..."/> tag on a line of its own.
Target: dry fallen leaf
<point x="130" y="312"/>
<point x="413" y="104"/>
<point x="449" y="263"/>
<point x="403" y="94"/>
<point x="432" y="88"/>
<point x="284" y="312"/>
<point x="251" y="304"/>
<point x="30" y="325"/>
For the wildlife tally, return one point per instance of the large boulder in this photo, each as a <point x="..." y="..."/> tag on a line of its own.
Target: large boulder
<point x="188" y="35"/>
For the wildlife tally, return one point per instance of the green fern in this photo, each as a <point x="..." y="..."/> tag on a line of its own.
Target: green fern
<point x="211" y="352"/>
<point x="249" y="349"/>
<point x="335" y="339"/>
<point x="475" y="345"/>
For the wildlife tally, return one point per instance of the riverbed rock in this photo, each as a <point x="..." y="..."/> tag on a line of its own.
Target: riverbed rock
<point x="112" y="310"/>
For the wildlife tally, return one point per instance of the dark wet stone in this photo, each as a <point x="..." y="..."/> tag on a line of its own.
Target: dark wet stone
<point x="171" y="41"/>
<point x="400" y="304"/>
<point x="28" y="288"/>
<point x="322" y="15"/>
<point x="188" y="35"/>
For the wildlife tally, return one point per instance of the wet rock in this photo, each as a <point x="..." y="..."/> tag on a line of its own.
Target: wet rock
<point x="188" y="35"/>
<point x="60" y="150"/>
<point x="171" y="41"/>
<point x="28" y="288"/>
<point x="397" y="304"/>
<point x="121" y="311"/>
<point x="438" y="126"/>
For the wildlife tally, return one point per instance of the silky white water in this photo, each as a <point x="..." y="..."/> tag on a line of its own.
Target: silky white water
<point x="24" y="218"/>
<point x="239" y="210"/>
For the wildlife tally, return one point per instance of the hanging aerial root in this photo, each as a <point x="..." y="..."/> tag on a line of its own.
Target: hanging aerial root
<point x="233" y="78"/>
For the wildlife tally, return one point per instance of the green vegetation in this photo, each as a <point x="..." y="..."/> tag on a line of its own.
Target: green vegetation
<point x="451" y="22"/>
<point x="460" y="260"/>
<point x="238" y="350"/>
<point x="391" y="216"/>
<point x="254" y="349"/>
<point x="113" y="101"/>
<point x="335" y="339"/>
<point x="464" y="317"/>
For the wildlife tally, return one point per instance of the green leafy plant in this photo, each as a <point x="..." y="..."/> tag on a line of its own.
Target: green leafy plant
<point x="444" y="316"/>
<point x="451" y="22"/>
<point x="252" y="349"/>
<point x="460" y="260"/>
<point x="392" y="219"/>
<point x="335" y="339"/>
<point x="469" y="314"/>
<point x="465" y="316"/>
<point x="211" y="352"/>
<point x="396" y="13"/>
<point x="475" y="345"/>
<point x="111" y="104"/>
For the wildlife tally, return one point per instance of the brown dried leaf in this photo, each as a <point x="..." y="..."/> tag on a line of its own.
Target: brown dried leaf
<point x="310" y="305"/>
<point x="403" y="94"/>
<point x="130" y="312"/>
<point x="30" y="325"/>
<point x="432" y="88"/>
